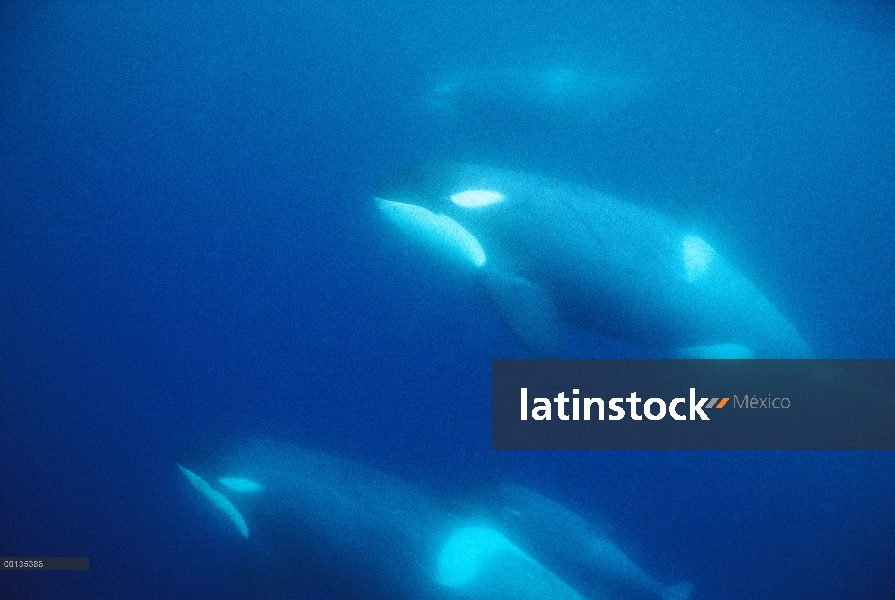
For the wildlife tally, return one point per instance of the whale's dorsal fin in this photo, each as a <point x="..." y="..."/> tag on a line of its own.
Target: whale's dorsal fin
<point x="529" y="311"/>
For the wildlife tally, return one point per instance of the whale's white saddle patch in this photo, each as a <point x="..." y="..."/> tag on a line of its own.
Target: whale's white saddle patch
<point x="697" y="255"/>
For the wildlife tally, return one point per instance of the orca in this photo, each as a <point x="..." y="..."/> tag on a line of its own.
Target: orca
<point x="562" y="89"/>
<point x="553" y="254"/>
<point x="353" y="531"/>
<point x="583" y="553"/>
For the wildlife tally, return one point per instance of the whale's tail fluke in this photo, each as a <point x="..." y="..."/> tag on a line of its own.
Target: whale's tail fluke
<point x="678" y="591"/>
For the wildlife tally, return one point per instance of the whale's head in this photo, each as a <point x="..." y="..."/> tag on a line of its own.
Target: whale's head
<point x="443" y="187"/>
<point x="228" y="481"/>
<point x="219" y="492"/>
<point x="435" y="204"/>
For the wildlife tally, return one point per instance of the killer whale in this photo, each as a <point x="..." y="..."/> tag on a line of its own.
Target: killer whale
<point x="587" y="93"/>
<point x="551" y="253"/>
<point x="358" y="532"/>
<point x="583" y="553"/>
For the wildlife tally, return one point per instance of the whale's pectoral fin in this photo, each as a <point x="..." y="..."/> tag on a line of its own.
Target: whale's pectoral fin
<point x="529" y="311"/>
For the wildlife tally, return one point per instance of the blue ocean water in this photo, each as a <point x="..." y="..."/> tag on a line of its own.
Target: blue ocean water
<point x="189" y="251"/>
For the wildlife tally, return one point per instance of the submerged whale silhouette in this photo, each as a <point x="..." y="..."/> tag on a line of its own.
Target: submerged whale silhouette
<point x="358" y="532"/>
<point x="588" y="93"/>
<point x="551" y="253"/>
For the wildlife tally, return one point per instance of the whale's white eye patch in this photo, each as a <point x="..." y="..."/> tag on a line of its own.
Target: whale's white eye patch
<point x="241" y="484"/>
<point x="476" y="198"/>
<point x="697" y="255"/>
